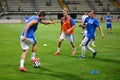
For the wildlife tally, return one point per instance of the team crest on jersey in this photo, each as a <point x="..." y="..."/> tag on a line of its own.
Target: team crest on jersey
<point x="90" y="21"/>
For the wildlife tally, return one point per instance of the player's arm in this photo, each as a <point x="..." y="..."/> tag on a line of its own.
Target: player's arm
<point x="47" y="22"/>
<point x="99" y="27"/>
<point x="73" y="25"/>
<point x="111" y="18"/>
<point x="27" y="27"/>
<point x="83" y="25"/>
<point x="101" y="31"/>
<point x="105" y="18"/>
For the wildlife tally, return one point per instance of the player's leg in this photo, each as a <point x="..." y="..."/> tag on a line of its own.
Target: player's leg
<point x="33" y="58"/>
<point x="110" y="28"/>
<point x="25" y="48"/>
<point x="61" y="39"/>
<point x="34" y="47"/>
<point x="107" y="26"/>
<point x="59" y="46"/>
<point x="33" y="42"/>
<point x="84" y="41"/>
<point x="22" y="60"/>
<point x="72" y="37"/>
<point x="84" y="34"/>
<point x="71" y="40"/>
<point x="91" y="49"/>
<point x="74" y="48"/>
<point x="93" y="42"/>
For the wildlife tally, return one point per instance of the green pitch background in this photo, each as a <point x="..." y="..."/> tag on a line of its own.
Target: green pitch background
<point x="64" y="66"/>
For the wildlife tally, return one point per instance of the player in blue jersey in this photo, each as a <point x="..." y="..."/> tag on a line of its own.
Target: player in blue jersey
<point x="26" y="18"/>
<point x="27" y="38"/>
<point x="86" y="16"/>
<point x="91" y="24"/>
<point x="108" y="19"/>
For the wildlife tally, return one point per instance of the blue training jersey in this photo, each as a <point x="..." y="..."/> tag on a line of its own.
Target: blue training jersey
<point x="91" y="24"/>
<point x="33" y="28"/>
<point x="108" y="19"/>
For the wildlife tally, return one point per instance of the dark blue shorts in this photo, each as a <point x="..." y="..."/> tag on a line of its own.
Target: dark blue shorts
<point x="109" y="25"/>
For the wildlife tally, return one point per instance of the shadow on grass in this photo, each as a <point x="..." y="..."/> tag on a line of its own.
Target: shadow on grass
<point x="56" y="74"/>
<point x="91" y="58"/>
<point x="108" y="60"/>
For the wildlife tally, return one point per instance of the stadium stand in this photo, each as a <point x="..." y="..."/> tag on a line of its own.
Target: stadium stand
<point x="77" y="5"/>
<point x="0" y="7"/>
<point x="11" y="8"/>
<point x="46" y="5"/>
<point x="4" y="5"/>
<point x="54" y="5"/>
<point x="63" y="4"/>
<point x="117" y="4"/>
<point x="15" y="5"/>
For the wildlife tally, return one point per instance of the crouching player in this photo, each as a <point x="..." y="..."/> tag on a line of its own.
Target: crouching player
<point x="27" y="38"/>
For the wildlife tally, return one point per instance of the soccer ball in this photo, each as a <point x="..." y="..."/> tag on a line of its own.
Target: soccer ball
<point x="36" y="64"/>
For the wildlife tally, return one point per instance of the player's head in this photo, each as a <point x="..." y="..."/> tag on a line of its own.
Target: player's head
<point x="41" y="14"/>
<point x="108" y="13"/>
<point x="92" y="13"/>
<point x="65" y="12"/>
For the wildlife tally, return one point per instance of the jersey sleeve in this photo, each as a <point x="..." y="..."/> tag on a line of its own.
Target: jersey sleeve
<point x="96" y="22"/>
<point x="72" y="22"/>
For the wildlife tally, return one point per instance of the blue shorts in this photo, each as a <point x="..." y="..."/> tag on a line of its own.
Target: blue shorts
<point x="109" y="25"/>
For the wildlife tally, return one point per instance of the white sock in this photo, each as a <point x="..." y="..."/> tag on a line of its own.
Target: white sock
<point x="91" y="49"/>
<point x="74" y="49"/>
<point x="22" y="63"/>
<point x="33" y="55"/>
<point x="83" y="51"/>
<point x="58" y="49"/>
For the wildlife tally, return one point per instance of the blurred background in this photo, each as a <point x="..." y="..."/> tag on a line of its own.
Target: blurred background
<point x="16" y="10"/>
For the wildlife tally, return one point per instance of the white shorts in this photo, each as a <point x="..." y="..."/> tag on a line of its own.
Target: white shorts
<point x="70" y="37"/>
<point x="25" y="44"/>
<point x="85" y="33"/>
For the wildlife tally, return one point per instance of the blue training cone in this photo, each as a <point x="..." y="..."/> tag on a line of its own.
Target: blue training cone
<point x="94" y="72"/>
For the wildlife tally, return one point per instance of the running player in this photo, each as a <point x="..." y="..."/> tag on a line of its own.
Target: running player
<point x="91" y="24"/>
<point x="67" y="30"/>
<point x="27" y="38"/>
<point x="86" y="16"/>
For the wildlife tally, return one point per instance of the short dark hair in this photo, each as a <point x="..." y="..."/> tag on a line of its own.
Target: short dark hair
<point x="92" y="11"/>
<point x="41" y="13"/>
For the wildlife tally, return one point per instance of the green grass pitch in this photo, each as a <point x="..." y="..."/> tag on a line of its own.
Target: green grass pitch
<point x="64" y="66"/>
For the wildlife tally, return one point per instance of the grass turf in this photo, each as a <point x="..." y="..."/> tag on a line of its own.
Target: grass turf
<point x="64" y="66"/>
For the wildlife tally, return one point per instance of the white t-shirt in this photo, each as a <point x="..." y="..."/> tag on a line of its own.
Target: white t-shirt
<point x="84" y="17"/>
